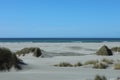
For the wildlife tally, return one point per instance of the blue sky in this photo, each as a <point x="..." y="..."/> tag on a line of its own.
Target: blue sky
<point x="60" y="18"/>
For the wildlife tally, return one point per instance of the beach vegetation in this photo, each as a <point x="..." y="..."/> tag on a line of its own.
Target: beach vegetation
<point x="100" y="65"/>
<point x="91" y="62"/>
<point x="78" y="64"/>
<point x="9" y="60"/>
<point x="108" y="61"/>
<point x="116" y="49"/>
<point x="104" y="51"/>
<point x="117" y="66"/>
<point x="64" y="64"/>
<point x="36" y="51"/>
<point x="97" y="77"/>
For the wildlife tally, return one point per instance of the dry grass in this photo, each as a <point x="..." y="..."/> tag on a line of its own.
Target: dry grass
<point x="100" y="65"/>
<point x="64" y="64"/>
<point x="36" y="51"/>
<point x="108" y="61"/>
<point x="116" y="49"/>
<point x="104" y="51"/>
<point x="78" y="64"/>
<point x="9" y="60"/>
<point x="100" y="77"/>
<point x="91" y="62"/>
<point x="117" y="66"/>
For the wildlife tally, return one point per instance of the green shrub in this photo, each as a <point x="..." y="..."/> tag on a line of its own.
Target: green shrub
<point x="36" y="51"/>
<point x="91" y="62"/>
<point x="100" y="66"/>
<point x="117" y="66"/>
<point x="64" y="64"/>
<point x="105" y="51"/>
<point x="78" y="64"/>
<point x="8" y="60"/>
<point x="5" y="59"/>
<point x="100" y="77"/>
<point x="116" y="49"/>
<point x="108" y="61"/>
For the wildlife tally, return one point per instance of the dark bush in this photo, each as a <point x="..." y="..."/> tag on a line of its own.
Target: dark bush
<point x="78" y="64"/>
<point x="100" y="66"/>
<point x="104" y="50"/>
<point x="100" y="77"/>
<point x="117" y="66"/>
<point x="64" y="64"/>
<point x="36" y="51"/>
<point x="8" y="60"/>
<point x="108" y="61"/>
<point x="91" y="62"/>
<point x="116" y="49"/>
<point x="5" y="59"/>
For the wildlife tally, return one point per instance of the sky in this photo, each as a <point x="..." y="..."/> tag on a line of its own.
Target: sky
<point x="59" y="18"/>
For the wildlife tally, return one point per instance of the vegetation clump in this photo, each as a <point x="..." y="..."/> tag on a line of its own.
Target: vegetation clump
<point x="116" y="49"/>
<point x="108" y="61"/>
<point x="105" y="51"/>
<point x="117" y="66"/>
<point x="36" y="51"/>
<point x="78" y="64"/>
<point x="91" y="62"/>
<point x="100" y="77"/>
<point x="9" y="60"/>
<point x="100" y="65"/>
<point x="64" y="64"/>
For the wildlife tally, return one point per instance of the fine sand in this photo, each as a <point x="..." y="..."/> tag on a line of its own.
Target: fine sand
<point x="54" y="53"/>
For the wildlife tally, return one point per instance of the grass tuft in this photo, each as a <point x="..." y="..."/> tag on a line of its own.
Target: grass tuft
<point x="108" y="61"/>
<point x="100" y="66"/>
<point x="64" y="64"/>
<point x="36" y="51"/>
<point x="91" y="62"/>
<point x="117" y="66"/>
<point x="100" y="77"/>
<point x="78" y="64"/>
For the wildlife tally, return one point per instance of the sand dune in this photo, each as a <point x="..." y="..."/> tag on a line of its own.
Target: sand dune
<point x="42" y="68"/>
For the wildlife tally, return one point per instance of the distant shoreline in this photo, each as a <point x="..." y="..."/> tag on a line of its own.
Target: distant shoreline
<point x="54" y="40"/>
<point x="60" y="40"/>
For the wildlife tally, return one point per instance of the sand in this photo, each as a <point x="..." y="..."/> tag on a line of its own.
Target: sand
<point x="54" y="53"/>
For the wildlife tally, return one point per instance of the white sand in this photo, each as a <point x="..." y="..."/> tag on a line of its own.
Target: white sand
<point x="43" y="69"/>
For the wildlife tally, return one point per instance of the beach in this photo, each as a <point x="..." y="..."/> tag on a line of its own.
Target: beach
<point x="43" y="68"/>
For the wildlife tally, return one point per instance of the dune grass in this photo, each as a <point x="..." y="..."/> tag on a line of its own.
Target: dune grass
<point x="116" y="49"/>
<point x="64" y="64"/>
<point x="97" y="77"/>
<point x="104" y="51"/>
<point x="117" y="66"/>
<point x="9" y="60"/>
<point x="67" y="64"/>
<point x="108" y="61"/>
<point x="91" y="62"/>
<point x="77" y="64"/>
<point x="100" y="65"/>
<point x="36" y="51"/>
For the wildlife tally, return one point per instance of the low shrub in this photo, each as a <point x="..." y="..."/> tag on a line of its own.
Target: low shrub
<point x="100" y="77"/>
<point x="9" y="60"/>
<point x="91" y="62"/>
<point x="100" y="66"/>
<point x="117" y="66"/>
<point x="36" y="51"/>
<point x="116" y="49"/>
<point x="104" y="51"/>
<point x="78" y="64"/>
<point x="64" y="64"/>
<point x="108" y="61"/>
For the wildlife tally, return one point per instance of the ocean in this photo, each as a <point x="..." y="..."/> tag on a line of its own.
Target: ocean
<point x="54" y="40"/>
